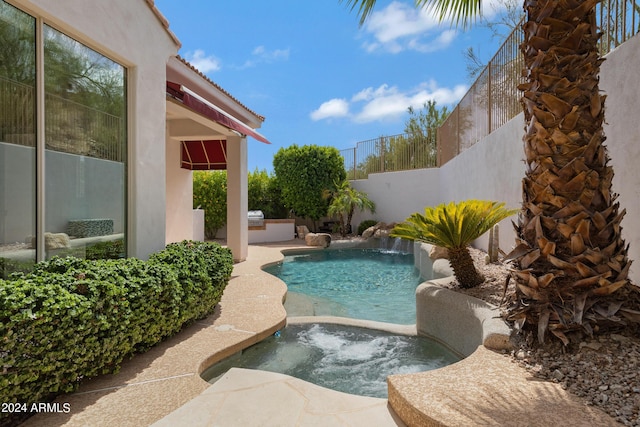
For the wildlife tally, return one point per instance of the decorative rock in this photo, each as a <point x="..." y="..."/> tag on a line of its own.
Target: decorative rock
<point x="558" y="375"/>
<point x="54" y="241"/>
<point x="302" y="231"/>
<point x="380" y="230"/>
<point x="368" y="232"/>
<point x="318" y="239"/>
<point x="438" y="252"/>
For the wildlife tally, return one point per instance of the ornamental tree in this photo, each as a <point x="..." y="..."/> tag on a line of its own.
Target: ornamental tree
<point x="304" y="173"/>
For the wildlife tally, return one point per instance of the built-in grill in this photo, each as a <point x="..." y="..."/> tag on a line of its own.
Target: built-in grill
<point x="256" y="218"/>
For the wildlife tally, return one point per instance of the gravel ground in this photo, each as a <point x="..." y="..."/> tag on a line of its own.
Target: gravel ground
<point x="604" y="370"/>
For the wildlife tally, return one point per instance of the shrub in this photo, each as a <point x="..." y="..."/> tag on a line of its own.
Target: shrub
<point x="210" y="193"/>
<point x="366" y="224"/>
<point x="264" y="194"/>
<point x="112" y="249"/>
<point x="9" y="266"/>
<point x="454" y="226"/>
<point x="304" y="174"/>
<point x="71" y="318"/>
<point x="203" y="270"/>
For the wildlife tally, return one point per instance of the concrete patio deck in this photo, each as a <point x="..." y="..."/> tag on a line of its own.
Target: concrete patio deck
<point x="163" y="386"/>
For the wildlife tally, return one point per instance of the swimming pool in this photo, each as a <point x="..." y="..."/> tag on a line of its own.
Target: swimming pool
<point x="344" y="358"/>
<point x="370" y="284"/>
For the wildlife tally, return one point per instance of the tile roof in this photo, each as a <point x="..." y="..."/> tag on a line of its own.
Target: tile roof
<point x="188" y="64"/>
<point x="163" y="21"/>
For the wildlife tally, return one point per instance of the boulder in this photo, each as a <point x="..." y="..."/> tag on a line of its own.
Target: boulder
<point x="318" y="239"/>
<point x="381" y="233"/>
<point x="438" y="252"/>
<point x="54" y="241"/>
<point x="381" y="229"/>
<point x="369" y="232"/>
<point x="302" y="231"/>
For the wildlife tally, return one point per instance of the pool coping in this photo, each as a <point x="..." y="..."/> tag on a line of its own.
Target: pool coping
<point x="163" y="386"/>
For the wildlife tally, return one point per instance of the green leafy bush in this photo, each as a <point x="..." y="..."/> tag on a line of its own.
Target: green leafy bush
<point x="72" y="318"/>
<point x="265" y="195"/>
<point x="210" y="194"/>
<point x="9" y="266"/>
<point x="305" y="173"/>
<point x="112" y="249"/>
<point x="366" y="224"/>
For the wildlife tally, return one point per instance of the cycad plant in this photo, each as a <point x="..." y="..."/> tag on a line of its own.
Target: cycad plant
<point x="454" y="226"/>
<point x="344" y="201"/>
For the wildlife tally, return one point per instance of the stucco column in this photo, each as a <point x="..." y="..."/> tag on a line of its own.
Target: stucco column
<point x="237" y="199"/>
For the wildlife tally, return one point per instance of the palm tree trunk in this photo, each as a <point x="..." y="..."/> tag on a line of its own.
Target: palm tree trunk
<point x="343" y="227"/>
<point x="349" y="218"/>
<point x="569" y="231"/>
<point x="463" y="267"/>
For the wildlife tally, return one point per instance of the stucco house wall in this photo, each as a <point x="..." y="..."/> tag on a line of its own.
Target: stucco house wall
<point x="179" y="208"/>
<point x="184" y="124"/>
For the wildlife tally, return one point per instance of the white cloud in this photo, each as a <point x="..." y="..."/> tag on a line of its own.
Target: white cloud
<point x="491" y="8"/>
<point x="330" y="109"/>
<point x="370" y="93"/>
<point x="401" y="26"/>
<point x="204" y="64"/>
<point x="440" y="42"/>
<point x="387" y="103"/>
<point x="270" y="55"/>
<point x="261" y="55"/>
<point x="399" y="20"/>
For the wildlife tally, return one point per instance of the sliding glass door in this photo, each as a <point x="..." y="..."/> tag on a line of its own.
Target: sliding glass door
<point x="17" y="139"/>
<point x="78" y="158"/>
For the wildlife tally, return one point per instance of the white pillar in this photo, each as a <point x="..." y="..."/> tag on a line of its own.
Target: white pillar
<point x="237" y="198"/>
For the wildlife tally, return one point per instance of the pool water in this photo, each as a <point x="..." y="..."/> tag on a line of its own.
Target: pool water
<point x="368" y="284"/>
<point x="344" y="358"/>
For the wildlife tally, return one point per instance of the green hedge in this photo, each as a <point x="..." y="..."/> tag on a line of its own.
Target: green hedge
<point x="71" y="318"/>
<point x="210" y="194"/>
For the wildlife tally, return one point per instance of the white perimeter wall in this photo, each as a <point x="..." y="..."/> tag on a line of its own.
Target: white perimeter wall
<point x="275" y="230"/>
<point x="494" y="167"/>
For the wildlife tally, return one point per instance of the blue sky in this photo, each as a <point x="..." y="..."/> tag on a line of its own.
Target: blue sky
<point x="316" y="75"/>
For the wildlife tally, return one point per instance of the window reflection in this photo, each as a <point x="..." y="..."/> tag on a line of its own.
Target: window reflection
<point x="17" y="140"/>
<point x="85" y="139"/>
<point x="84" y="147"/>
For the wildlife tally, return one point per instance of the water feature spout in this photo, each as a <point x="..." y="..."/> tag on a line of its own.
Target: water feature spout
<point x="384" y="243"/>
<point x="397" y="245"/>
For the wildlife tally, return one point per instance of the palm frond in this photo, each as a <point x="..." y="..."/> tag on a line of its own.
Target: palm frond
<point x="365" y="7"/>
<point x="459" y="12"/>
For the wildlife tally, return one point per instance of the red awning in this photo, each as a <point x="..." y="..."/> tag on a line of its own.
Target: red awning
<point x="204" y="155"/>
<point x="201" y="106"/>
